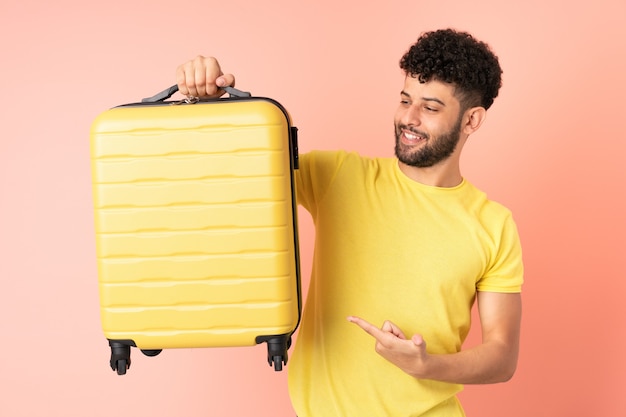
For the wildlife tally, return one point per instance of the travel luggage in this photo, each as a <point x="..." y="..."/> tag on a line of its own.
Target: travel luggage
<point x="196" y="228"/>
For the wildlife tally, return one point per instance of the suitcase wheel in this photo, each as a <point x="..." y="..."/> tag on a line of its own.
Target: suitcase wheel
<point x="120" y="354"/>
<point x="120" y="366"/>
<point x="120" y="357"/>
<point x="277" y="347"/>
<point x="151" y="352"/>
<point x="278" y="362"/>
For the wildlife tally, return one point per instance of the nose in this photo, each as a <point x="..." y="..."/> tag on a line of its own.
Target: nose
<point x="409" y="115"/>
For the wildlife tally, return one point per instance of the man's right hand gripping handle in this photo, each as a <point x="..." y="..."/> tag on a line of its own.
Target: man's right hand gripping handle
<point x="202" y="77"/>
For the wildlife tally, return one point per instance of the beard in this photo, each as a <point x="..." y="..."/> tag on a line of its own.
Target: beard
<point x="435" y="150"/>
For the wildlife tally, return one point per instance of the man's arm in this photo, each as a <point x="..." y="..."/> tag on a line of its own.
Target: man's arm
<point x="494" y="360"/>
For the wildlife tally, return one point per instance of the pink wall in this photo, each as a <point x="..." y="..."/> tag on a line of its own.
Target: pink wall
<point x="552" y="149"/>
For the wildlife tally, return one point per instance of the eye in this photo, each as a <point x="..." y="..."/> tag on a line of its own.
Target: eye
<point x="431" y="109"/>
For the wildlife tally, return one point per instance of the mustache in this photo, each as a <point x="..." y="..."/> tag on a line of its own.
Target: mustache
<point x="401" y="127"/>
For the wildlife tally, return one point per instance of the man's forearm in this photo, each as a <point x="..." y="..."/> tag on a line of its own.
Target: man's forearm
<point x="484" y="364"/>
<point x="495" y="360"/>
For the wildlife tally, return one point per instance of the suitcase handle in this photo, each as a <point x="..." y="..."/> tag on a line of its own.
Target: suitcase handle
<point x="169" y="92"/>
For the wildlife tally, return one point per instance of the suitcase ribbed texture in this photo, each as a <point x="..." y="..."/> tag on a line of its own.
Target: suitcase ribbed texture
<point x="195" y="224"/>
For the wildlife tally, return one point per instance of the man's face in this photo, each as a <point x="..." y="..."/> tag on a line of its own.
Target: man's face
<point x="427" y="123"/>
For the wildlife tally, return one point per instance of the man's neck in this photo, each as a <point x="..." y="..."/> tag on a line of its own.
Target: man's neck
<point x="444" y="175"/>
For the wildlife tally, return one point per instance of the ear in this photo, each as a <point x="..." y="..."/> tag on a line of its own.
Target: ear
<point x="474" y="117"/>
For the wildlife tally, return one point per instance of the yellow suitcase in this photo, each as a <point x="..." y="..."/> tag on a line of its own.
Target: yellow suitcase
<point x="195" y="225"/>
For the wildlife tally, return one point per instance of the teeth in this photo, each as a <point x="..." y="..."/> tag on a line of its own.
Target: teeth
<point x="410" y="136"/>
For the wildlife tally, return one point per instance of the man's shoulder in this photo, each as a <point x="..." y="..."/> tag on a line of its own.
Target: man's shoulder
<point x="342" y="157"/>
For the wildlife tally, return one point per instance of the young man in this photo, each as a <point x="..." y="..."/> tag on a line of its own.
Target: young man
<point x="406" y="243"/>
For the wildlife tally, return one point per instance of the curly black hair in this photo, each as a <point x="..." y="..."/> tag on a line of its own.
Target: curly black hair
<point x="458" y="58"/>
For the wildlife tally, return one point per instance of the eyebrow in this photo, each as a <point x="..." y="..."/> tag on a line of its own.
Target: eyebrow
<point x="436" y="100"/>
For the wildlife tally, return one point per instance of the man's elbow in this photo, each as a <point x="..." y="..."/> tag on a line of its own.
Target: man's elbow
<point x="506" y="372"/>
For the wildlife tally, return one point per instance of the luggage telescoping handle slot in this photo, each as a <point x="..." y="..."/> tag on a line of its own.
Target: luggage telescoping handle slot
<point x="169" y="92"/>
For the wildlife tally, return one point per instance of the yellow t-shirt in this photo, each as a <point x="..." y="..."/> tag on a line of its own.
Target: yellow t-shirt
<point x="389" y="248"/>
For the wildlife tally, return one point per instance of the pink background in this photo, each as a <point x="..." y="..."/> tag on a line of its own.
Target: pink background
<point x="552" y="150"/>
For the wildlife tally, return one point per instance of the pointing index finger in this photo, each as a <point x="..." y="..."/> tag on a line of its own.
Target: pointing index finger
<point x="367" y="326"/>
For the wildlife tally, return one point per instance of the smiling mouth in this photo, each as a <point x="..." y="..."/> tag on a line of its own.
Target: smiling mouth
<point x="411" y="138"/>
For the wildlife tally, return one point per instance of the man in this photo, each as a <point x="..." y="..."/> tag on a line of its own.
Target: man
<point x="405" y="242"/>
